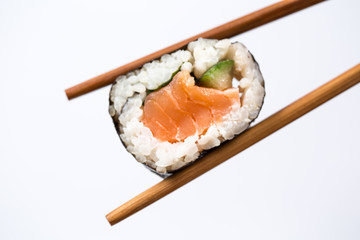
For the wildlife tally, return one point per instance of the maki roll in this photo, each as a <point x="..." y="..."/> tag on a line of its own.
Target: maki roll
<point x="171" y="110"/>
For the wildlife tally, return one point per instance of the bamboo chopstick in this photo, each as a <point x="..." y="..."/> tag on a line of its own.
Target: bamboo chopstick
<point x="238" y="144"/>
<point x="227" y="30"/>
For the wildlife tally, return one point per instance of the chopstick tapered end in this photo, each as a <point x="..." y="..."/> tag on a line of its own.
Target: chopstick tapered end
<point x="108" y="218"/>
<point x="114" y="217"/>
<point x="68" y="94"/>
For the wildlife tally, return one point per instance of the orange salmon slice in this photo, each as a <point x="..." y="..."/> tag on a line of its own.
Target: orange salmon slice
<point x="182" y="109"/>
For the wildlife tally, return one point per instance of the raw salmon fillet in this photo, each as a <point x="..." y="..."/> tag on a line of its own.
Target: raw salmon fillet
<point x="182" y="109"/>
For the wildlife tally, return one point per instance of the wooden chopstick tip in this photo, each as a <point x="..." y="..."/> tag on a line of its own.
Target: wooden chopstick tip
<point x="73" y="92"/>
<point x="108" y="218"/>
<point x="114" y="218"/>
<point x="67" y="95"/>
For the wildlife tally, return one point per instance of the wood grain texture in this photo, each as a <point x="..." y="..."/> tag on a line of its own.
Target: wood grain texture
<point x="238" y="144"/>
<point x="227" y="30"/>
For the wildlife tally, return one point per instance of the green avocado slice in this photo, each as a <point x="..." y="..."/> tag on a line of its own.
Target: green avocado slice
<point x="218" y="76"/>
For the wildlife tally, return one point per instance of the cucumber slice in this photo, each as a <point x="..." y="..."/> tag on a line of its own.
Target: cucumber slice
<point x="218" y="76"/>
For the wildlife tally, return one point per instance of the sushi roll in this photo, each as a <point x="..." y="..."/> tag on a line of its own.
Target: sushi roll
<point x="173" y="109"/>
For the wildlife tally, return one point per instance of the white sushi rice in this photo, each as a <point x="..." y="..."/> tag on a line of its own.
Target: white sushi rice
<point x="129" y="91"/>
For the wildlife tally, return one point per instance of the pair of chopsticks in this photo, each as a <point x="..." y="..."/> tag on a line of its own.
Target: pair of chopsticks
<point x="246" y="139"/>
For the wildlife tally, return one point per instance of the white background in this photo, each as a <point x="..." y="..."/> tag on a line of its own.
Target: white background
<point x="63" y="168"/>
